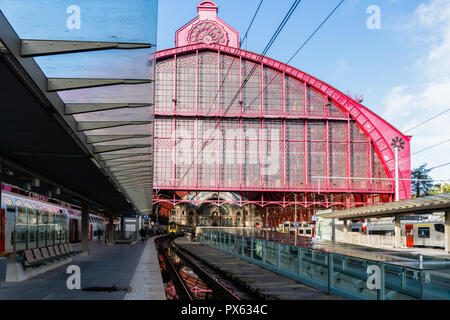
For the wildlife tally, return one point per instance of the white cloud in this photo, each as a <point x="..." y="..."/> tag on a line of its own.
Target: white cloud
<point x="407" y="105"/>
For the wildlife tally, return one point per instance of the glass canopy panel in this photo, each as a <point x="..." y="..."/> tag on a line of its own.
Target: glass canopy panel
<point x="117" y="113"/>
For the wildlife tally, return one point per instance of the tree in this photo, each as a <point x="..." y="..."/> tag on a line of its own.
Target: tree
<point x="418" y="185"/>
<point x="440" y="188"/>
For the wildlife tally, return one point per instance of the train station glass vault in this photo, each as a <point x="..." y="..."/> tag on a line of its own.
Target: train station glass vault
<point x="96" y="57"/>
<point x="230" y="120"/>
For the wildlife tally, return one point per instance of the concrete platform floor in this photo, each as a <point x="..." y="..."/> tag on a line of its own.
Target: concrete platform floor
<point x="265" y="282"/>
<point x="105" y="266"/>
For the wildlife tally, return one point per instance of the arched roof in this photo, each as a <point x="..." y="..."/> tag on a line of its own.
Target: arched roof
<point x="380" y="131"/>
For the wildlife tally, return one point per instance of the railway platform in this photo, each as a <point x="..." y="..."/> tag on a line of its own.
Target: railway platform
<point x="109" y="272"/>
<point x="263" y="282"/>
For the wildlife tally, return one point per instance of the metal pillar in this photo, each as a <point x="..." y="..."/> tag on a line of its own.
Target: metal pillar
<point x="346" y="239"/>
<point x="85" y="227"/>
<point x="195" y="217"/>
<point x="398" y="233"/>
<point x="397" y="189"/>
<point x="447" y="232"/>
<point x="111" y="229"/>
<point x="333" y="230"/>
<point x="137" y="226"/>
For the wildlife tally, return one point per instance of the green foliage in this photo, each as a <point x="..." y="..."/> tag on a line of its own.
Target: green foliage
<point x="440" y="188"/>
<point x="419" y="187"/>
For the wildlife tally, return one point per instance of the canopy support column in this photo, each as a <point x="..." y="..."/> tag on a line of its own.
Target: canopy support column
<point x="398" y="233"/>
<point x="447" y="232"/>
<point x="346" y="239"/>
<point x="333" y="230"/>
<point x="85" y="227"/>
<point x="111" y="230"/>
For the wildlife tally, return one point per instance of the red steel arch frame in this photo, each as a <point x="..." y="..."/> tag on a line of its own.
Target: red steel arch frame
<point x="377" y="129"/>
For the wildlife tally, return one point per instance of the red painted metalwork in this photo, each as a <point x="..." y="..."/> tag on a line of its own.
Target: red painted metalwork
<point x="350" y="108"/>
<point x="332" y="152"/>
<point x="2" y="230"/>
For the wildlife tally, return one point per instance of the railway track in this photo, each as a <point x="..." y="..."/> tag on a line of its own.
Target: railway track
<point x="208" y="285"/>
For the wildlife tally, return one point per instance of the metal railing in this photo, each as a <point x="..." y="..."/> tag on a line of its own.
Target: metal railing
<point x="336" y="274"/>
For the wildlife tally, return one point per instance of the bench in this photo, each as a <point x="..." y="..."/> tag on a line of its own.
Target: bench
<point x="52" y="254"/>
<point x="29" y="260"/>
<point x="40" y="258"/>
<point x="47" y="256"/>
<point x="59" y="253"/>
<point x="63" y="250"/>
<point x="70" y="249"/>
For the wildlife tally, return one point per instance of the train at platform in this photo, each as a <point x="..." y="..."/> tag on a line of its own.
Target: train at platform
<point x="175" y="229"/>
<point x="303" y="229"/>
<point x="37" y="222"/>
<point x="417" y="231"/>
<point x="172" y="228"/>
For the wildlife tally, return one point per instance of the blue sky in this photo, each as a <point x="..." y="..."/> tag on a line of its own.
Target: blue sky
<point x="401" y="69"/>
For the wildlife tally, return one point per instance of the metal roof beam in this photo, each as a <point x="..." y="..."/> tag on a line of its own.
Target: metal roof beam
<point x="60" y="84"/>
<point x="111" y="164"/>
<point x="79" y="108"/>
<point x="132" y="173"/>
<point x="108" y="138"/>
<point x="137" y="184"/>
<point x="111" y="148"/>
<point x="34" y="47"/>
<point x="117" y="156"/>
<point x="130" y="169"/>
<point x="94" y="125"/>
<point x="135" y="179"/>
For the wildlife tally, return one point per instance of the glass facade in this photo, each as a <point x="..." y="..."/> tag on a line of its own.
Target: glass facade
<point x="277" y="133"/>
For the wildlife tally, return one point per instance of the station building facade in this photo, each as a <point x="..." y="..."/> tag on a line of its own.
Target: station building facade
<point x="245" y="140"/>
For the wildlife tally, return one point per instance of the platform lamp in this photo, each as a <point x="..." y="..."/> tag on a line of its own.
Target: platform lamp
<point x="398" y="144"/>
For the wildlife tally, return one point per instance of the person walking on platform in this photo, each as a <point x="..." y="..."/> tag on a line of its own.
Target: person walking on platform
<point x="142" y="234"/>
<point x="99" y="233"/>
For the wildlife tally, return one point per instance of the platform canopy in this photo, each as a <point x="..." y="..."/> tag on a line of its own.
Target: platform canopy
<point x="421" y="205"/>
<point x="77" y="88"/>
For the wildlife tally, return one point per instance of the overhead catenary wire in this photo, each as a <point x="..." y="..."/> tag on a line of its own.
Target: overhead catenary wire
<point x="234" y="60"/>
<point x="430" y="147"/>
<point x="440" y="166"/>
<point x="426" y="121"/>
<point x="266" y="49"/>
<point x="300" y="48"/>
<point x="251" y="23"/>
